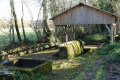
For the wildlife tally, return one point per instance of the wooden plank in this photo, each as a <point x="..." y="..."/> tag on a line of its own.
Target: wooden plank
<point x="84" y="15"/>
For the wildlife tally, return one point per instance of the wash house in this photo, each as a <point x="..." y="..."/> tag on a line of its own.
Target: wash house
<point x="83" y="14"/>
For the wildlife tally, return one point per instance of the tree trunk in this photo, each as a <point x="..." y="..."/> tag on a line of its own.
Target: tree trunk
<point x="23" y="22"/>
<point x="11" y="26"/>
<point x="23" y="29"/>
<point x="16" y="23"/>
<point x="46" y="30"/>
<point x="13" y="35"/>
<point x="10" y="34"/>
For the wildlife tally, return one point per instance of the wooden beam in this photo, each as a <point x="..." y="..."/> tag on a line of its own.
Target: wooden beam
<point x="107" y="28"/>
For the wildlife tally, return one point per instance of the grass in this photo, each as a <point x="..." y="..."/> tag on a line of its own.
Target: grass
<point x="30" y="34"/>
<point x="68" y="69"/>
<point x="75" y="68"/>
<point x="5" y="39"/>
<point x="79" y="67"/>
<point x="100" y="74"/>
<point x="19" y="76"/>
<point x="111" y="53"/>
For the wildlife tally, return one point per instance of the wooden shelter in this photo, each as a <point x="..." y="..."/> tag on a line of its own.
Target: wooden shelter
<point x="83" y="14"/>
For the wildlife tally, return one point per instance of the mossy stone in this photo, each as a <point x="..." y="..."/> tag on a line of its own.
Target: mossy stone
<point x="43" y="68"/>
<point x="71" y="49"/>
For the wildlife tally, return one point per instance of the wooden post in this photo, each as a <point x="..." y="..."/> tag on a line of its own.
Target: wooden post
<point x="55" y="35"/>
<point x="114" y="31"/>
<point x="66" y="37"/>
<point x="111" y="33"/>
<point x="66" y="33"/>
<point x="73" y="32"/>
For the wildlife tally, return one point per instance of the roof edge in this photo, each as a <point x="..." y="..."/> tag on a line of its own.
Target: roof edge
<point x="82" y="4"/>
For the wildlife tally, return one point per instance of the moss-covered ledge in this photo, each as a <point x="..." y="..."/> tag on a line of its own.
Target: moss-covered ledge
<point x="35" y="66"/>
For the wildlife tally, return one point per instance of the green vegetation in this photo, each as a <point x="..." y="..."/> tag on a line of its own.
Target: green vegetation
<point x="112" y="52"/>
<point x="100" y="74"/>
<point x="4" y="39"/>
<point x="111" y="64"/>
<point x="95" y="38"/>
<point x="109" y="48"/>
<point x="41" y="68"/>
<point x="19" y="76"/>
<point x="30" y="34"/>
<point x="114" y="56"/>
<point x="39" y="37"/>
<point x="76" y="68"/>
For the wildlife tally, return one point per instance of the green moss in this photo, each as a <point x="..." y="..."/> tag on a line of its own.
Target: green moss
<point x="43" y="68"/>
<point x="71" y="49"/>
<point x="93" y="48"/>
<point x="74" y="69"/>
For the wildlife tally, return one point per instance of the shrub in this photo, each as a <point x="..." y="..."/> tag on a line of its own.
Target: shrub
<point x="109" y="48"/>
<point x="114" y="57"/>
<point x="112" y="51"/>
<point x="117" y="38"/>
<point x="38" y="77"/>
<point x="19" y="76"/>
<point x="95" y="38"/>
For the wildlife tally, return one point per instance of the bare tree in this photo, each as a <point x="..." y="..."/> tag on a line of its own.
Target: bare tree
<point x="33" y="25"/>
<point x="46" y="29"/>
<point x="22" y="21"/>
<point x="12" y="38"/>
<point x="16" y="23"/>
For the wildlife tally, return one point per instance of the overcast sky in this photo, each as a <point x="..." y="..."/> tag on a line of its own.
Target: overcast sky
<point x="5" y="12"/>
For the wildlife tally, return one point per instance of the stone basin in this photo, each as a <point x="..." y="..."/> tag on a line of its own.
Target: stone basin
<point x="30" y="66"/>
